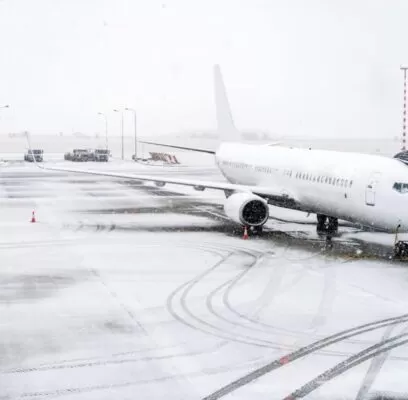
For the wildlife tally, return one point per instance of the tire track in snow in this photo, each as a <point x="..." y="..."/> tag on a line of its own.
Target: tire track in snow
<point x="351" y="362"/>
<point x="55" y="393"/>
<point x="197" y="323"/>
<point x="205" y="326"/>
<point x="268" y="295"/>
<point x="304" y="351"/>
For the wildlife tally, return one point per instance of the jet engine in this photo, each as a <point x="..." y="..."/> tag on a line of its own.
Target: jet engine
<point x="247" y="209"/>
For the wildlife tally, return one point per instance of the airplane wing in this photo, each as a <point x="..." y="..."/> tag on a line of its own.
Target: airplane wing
<point x="274" y="195"/>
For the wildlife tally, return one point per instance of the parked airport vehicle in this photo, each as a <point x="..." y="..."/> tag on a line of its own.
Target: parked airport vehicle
<point x="84" y="155"/>
<point x="80" y="155"/>
<point x="38" y="154"/>
<point x="101" y="155"/>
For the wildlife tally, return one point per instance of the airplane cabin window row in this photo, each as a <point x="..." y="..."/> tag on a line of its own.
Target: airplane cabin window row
<point x="347" y="183"/>
<point x="341" y="182"/>
<point x="235" y="164"/>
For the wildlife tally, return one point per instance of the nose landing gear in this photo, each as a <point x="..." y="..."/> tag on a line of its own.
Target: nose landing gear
<point x="401" y="250"/>
<point x="400" y="247"/>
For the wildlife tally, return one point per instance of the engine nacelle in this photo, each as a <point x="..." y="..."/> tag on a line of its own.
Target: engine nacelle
<point x="247" y="209"/>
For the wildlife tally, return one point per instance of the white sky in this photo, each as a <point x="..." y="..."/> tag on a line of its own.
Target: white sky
<point x="292" y="67"/>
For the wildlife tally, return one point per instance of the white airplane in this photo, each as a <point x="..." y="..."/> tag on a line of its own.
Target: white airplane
<point x="368" y="190"/>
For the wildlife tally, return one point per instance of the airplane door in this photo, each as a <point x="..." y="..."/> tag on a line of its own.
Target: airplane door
<point x="370" y="190"/>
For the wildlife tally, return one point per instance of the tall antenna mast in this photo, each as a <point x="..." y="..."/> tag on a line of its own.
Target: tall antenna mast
<point x="404" y="112"/>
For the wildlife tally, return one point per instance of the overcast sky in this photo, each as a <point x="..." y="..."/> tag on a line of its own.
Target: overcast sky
<point x="291" y="67"/>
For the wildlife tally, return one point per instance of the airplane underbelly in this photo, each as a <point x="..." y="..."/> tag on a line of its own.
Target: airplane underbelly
<point x="321" y="201"/>
<point x="352" y="206"/>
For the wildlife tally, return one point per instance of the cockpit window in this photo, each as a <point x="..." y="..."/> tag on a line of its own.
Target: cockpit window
<point x="401" y="187"/>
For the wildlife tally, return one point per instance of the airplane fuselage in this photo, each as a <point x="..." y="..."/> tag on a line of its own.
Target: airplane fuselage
<point x="361" y="188"/>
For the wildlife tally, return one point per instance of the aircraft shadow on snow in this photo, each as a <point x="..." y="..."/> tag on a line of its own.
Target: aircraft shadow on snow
<point x="181" y="204"/>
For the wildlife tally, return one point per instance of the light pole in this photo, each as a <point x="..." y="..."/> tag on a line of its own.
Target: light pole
<point x="404" y="112"/>
<point x="5" y="106"/>
<point x="106" y="128"/>
<point x="122" y="129"/>
<point x="134" y="115"/>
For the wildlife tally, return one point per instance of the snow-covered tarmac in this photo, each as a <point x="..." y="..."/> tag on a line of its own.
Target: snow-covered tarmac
<point x="129" y="291"/>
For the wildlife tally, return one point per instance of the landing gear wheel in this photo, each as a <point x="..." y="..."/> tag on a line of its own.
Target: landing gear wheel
<point x="329" y="243"/>
<point x="333" y="226"/>
<point x="321" y="224"/>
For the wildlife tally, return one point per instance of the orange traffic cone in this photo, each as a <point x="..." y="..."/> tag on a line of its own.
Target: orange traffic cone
<point x="33" y="217"/>
<point x="245" y="233"/>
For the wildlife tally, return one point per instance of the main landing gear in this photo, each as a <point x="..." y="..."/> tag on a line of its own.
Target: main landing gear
<point x="328" y="227"/>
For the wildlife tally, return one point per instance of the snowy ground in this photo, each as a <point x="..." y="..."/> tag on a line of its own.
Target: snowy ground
<point x="129" y="291"/>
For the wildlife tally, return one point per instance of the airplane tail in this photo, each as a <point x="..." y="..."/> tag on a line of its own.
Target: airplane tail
<point x="225" y="125"/>
<point x="227" y="132"/>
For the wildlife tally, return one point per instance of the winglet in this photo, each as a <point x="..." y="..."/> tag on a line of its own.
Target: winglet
<point x="225" y="124"/>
